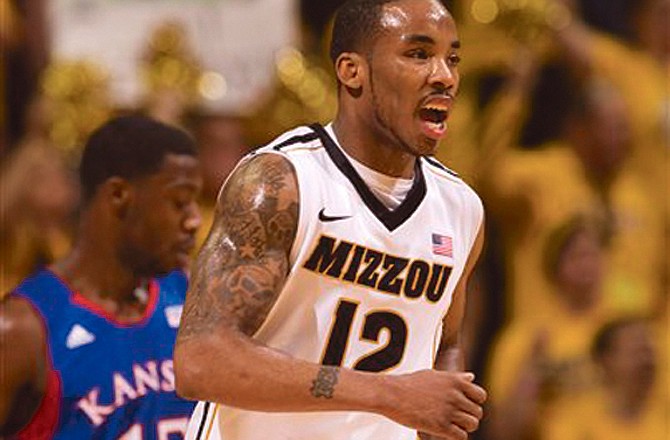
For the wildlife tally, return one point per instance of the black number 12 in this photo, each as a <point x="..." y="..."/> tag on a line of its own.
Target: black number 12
<point x="381" y="359"/>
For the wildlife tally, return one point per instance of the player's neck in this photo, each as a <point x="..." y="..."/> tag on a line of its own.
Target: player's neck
<point x="361" y="144"/>
<point x="98" y="277"/>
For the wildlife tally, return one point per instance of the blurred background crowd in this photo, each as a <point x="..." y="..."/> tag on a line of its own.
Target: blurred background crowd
<point x="562" y="125"/>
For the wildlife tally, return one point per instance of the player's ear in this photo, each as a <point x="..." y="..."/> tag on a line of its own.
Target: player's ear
<point x="118" y="193"/>
<point x="351" y="69"/>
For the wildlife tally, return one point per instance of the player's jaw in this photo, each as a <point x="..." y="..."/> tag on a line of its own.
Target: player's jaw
<point x="182" y="251"/>
<point x="414" y="122"/>
<point x="162" y="258"/>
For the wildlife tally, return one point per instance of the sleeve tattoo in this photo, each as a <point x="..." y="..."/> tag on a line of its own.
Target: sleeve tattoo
<point x="242" y="266"/>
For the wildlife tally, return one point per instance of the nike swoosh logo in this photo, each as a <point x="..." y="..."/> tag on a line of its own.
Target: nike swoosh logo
<point x="327" y="218"/>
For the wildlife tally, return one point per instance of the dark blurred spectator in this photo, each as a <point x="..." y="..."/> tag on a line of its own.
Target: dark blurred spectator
<point x="24" y="56"/>
<point x="39" y="197"/>
<point x="624" y="406"/>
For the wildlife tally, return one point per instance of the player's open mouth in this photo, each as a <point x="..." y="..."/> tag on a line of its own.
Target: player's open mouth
<point x="433" y="115"/>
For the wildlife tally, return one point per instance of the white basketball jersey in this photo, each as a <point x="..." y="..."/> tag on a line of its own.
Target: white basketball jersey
<point x="367" y="288"/>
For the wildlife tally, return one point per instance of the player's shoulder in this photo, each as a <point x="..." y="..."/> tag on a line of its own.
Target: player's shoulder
<point x="446" y="177"/>
<point x="280" y="153"/>
<point x="298" y="138"/>
<point x="43" y="286"/>
<point x="22" y="322"/>
<point x="437" y="168"/>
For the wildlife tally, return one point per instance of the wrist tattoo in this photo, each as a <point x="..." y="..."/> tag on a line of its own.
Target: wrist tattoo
<point x="324" y="384"/>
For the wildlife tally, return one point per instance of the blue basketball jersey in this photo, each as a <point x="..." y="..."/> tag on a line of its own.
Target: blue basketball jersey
<point x="110" y="380"/>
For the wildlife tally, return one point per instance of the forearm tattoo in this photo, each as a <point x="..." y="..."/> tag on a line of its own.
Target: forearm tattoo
<point x="243" y="264"/>
<point x="324" y="384"/>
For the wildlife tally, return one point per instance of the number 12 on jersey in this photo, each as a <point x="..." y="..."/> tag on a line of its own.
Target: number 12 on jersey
<point x="381" y="359"/>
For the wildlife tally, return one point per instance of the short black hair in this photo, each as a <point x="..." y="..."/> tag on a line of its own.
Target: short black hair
<point x="356" y="23"/>
<point x="129" y="147"/>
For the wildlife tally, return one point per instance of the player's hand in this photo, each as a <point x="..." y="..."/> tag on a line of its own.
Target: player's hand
<point x="444" y="404"/>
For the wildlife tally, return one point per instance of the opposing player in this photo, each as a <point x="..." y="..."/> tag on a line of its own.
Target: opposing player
<point x="86" y="345"/>
<point x="334" y="277"/>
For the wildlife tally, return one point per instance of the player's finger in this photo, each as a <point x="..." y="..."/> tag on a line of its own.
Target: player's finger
<point x="466" y="421"/>
<point x="475" y="393"/>
<point x="469" y="407"/>
<point x="455" y="432"/>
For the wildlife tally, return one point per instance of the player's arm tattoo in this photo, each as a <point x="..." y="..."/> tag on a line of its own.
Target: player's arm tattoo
<point x="324" y="383"/>
<point x="243" y="264"/>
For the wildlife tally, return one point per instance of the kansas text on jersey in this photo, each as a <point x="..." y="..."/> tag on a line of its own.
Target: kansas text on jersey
<point x="108" y="380"/>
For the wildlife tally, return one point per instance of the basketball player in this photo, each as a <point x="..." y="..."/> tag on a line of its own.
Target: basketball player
<point x="86" y="345"/>
<point x="334" y="277"/>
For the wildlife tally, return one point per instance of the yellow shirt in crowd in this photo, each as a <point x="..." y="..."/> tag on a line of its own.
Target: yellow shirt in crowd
<point x="644" y="83"/>
<point x="567" y="338"/>
<point x="588" y="418"/>
<point x="554" y="186"/>
<point x="565" y="362"/>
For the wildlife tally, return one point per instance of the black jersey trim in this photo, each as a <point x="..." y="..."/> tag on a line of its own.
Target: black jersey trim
<point x="201" y="428"/>
<point x="437" y="164"/>
<point x="304" y="138"/>
<point x="392" y="219"/>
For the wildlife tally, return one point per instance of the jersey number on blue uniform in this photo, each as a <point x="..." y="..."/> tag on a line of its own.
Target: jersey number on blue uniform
<point x="166" y="429"/>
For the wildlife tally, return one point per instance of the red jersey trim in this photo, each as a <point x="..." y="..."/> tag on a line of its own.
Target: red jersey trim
<point x="45" y="421"/>
<point x="80" y="300"/>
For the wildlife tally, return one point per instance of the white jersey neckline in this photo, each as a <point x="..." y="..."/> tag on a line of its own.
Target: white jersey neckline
<point x="391" y="191"/>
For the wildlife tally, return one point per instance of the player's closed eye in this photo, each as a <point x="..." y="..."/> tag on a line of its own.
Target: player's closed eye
<point x="420" y="54"/>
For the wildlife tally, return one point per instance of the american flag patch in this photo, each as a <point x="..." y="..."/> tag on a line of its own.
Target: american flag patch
<point x="442" y="245"/>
